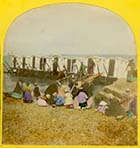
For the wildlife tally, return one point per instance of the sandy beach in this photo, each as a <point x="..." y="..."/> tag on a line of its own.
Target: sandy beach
<point x="30" y="124"/>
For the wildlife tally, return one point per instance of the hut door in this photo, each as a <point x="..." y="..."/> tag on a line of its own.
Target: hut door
<point x="69" y="65"/>
<point x="15" y="62"/>
<point x="33" y="62"/>
<point x="24" y="62"/>
<point x="111" y="67"/>
<point x="44" y="63"/>
<point x="40" y="65"/>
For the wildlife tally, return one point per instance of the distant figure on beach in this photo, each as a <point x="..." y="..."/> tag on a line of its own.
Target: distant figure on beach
<point x="27" y="95"/>
<point x="75" y="68"/>
<point x="131" y="71"/>
<point x="72" y="81"/>
<point x="65" y="70"/>
<point x="15" y="62"/>
<point x="36" y="91"/>
<point x="91" y="66"/>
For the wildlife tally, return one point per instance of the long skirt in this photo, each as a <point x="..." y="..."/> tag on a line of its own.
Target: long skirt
<point x="27" y="97"/>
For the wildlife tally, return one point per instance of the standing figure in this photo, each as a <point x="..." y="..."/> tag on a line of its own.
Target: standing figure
<point x="131" y="71"/>
<point x="75" y="68"/>
<point x="15" y="62"/>
<point x="91" y="66"/>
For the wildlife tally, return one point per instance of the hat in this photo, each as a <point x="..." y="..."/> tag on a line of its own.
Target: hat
<point x="103" y="103"/>
<point x="48" y="96"/>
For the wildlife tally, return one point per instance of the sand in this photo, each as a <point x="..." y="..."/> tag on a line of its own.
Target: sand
<point x="30" y="124"/>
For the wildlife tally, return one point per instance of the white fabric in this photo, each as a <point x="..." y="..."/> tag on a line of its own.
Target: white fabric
<point x="68" y="99"/>
<point x="41" y="102"/>
<point x="103" y="103"/>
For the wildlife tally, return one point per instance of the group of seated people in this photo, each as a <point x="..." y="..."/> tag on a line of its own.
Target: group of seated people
<point x="59" y="95"/>
<point x="76" y="95"/>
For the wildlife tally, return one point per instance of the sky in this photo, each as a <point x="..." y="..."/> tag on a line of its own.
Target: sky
<point x="69" y="29"/>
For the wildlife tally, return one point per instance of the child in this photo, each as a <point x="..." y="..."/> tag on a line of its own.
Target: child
<point x="82" y="97"/>
<point x="68" y="98"/>
<point x="102" y="107"/>
<point x="36" y="91"/>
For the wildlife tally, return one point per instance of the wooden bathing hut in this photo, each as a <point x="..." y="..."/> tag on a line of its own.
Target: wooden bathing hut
<point x="45" y="67"/>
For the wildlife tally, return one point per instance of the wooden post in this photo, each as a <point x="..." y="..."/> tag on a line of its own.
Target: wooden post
<point x="24" y="63"/>
<point x="33" y="62"/>
<point x="15" y="62"/>
<point x="68" y="65"/>
<point x="44" y="63"/>
<point x="40" y="66"/>
<point x="111" y="67"/>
